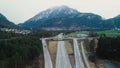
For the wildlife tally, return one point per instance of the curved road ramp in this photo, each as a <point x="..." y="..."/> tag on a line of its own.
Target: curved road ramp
<point x="62" y="58"/>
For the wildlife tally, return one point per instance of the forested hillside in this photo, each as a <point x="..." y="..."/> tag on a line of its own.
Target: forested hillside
<point x="5" y="23"/>
<point x="19" y="51"/>
<point x="109" y="48"/>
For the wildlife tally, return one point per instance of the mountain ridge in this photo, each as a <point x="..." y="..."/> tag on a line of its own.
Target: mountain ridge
<point x="60" y="17"/>
<point x="53" y="12"/>
<point x="5" y="23"/>
<point x="64" y="17"/>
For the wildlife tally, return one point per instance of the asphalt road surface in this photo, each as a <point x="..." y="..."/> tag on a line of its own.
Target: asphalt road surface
<point x="78" y="57"/>
<point x="62" y="60"/>
<point x="84" y="56"/>
<point x="47" y="59"/>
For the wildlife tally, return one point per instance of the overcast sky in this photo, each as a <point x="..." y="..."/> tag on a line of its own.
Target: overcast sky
<point x="19" y="11"/>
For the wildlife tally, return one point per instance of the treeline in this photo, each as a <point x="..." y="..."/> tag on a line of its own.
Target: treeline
<point x="43" y="33"/>
<point x="8" y="35"/>
<point x="18" y="50"/>
<point x="16" y="53"/>
<point x="108" y="48"/>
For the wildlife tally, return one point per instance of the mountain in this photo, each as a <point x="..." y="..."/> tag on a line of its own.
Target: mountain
<point x="5" y="23"/>
<point x="55" y="12"/>
<point x="115" y="21"/>
<point x="64" y="17"/>
<point x="112" y="22"/>
<point x="49" y="14"/>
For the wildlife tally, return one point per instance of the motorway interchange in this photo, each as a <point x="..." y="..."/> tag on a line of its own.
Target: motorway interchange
<point x="62" y="58"/>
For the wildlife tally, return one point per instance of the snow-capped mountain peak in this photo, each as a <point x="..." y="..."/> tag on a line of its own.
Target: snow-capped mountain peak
<point x="58" y="11"/>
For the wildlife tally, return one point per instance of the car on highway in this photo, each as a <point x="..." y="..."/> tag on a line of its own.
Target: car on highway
<point x="74" y="66"/>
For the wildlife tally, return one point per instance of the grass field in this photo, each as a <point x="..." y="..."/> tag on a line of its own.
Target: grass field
<point x="82" y="32"/>
<point x="107" y="32"/>
<point x="110" y="32"/>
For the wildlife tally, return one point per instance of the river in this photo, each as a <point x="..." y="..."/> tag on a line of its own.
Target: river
<point x="109" y="64"/>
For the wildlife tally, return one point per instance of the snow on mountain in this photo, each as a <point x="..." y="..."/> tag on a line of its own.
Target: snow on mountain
<point x="58" y="11"/>
<point x="64" y="17"/>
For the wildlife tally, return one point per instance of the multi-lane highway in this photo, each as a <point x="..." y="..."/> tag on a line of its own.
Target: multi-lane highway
<point x="84" y="56"/>
<point x="47" y="59"/>
<point x="62" y="58"/>
<point x="78" y="56"/>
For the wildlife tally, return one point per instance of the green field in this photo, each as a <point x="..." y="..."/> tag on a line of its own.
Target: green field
<point x="110" y="32"/>
<point x="107" y="32"/>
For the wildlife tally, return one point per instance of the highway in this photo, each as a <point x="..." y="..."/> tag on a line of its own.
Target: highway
<point x="84" y="56"/>
<point x="78" y="57"/>
<point x="47" y="59"/>
<point x="62" y="60"/>
<point x="69" y="38"/>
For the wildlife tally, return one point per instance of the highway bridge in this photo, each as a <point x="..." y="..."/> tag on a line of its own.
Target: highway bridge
<point x="62" y="58"/>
